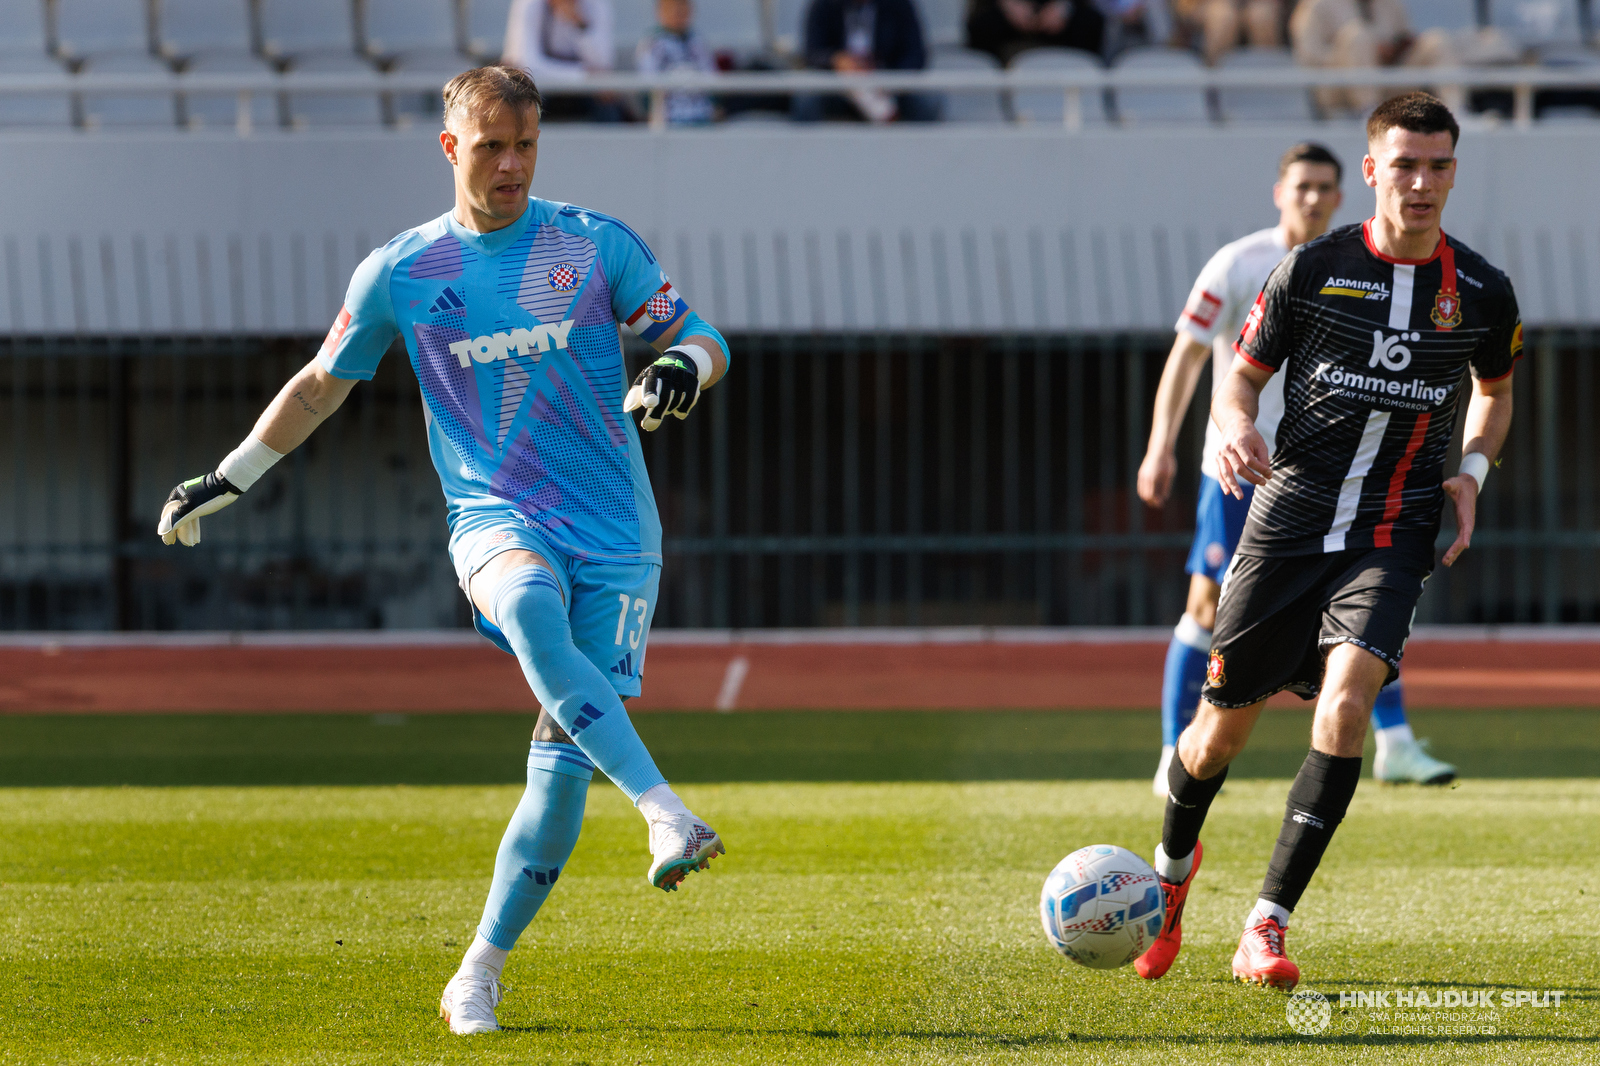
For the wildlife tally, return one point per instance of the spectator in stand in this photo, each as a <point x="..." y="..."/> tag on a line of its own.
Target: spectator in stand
<point x="857" y="36"/>
<point x="1213" y="26"/>
<point x="1005" y="27"/>
<point x="1364" y="33"/>
<point x="564" y="41"/>
<point x="673" y="45"/>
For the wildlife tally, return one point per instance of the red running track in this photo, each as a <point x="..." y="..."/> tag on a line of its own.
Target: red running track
<point x="459" y="673"/>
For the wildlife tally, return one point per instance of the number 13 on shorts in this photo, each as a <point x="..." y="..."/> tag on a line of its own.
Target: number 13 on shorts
<point x="631" y="619"/>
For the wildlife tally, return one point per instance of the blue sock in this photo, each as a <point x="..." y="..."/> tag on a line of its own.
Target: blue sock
<point x="538" y="842"/>
<point x="532" y="615"/>
<point x="1389" y="709"/>
<point x="1185" y="676"/>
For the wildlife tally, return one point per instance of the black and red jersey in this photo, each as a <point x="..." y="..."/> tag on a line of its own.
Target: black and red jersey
<point x="1373" y="351"/>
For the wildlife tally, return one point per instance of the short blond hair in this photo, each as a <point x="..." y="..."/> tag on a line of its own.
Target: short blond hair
<point x="485" y="88"/>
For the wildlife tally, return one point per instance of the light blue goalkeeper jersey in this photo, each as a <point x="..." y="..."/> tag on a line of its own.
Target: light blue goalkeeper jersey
<point x="514" y="339"/>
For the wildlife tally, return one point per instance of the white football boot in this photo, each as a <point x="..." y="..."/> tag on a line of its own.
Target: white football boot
<point x="1408" y="762"/>
<point x="680" y="844"/>
<point x="469" y="1001"/>
<point x="1159" y="785"/>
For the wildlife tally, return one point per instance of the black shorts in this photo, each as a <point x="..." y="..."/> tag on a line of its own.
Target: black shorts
<point x="1278" y="617"/>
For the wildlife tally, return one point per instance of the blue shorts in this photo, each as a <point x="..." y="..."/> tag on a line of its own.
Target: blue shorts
<point x="609" y="605"/>
<point x="1218" y="524"/>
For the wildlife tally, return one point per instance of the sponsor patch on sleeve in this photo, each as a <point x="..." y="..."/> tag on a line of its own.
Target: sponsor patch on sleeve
<point x="1516" y="340"/>
<point x="1202" y="309"/>
<point x="330" y="343"/>
<point x="1252" y="322"/>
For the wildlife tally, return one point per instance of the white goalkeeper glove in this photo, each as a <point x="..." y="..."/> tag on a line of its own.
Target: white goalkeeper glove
<point x="670" y="385"/>
<point x="194" y="499"/>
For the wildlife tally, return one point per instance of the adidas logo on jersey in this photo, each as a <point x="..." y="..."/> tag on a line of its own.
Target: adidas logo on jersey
<point x="624" y="666"/>
<point x="1361" y="290"/>
<point x="531" y="341"/>
<point x="447" y="301"/>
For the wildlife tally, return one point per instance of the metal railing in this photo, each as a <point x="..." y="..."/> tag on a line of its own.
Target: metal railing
<point x="862" y="479"/>
<point x="1521" y="81"/>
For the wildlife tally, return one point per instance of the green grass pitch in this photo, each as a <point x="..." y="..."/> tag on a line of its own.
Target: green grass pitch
<point x="313" y="915"/>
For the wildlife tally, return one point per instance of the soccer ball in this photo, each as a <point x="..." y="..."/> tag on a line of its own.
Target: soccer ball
<point x="1102" y="906"/>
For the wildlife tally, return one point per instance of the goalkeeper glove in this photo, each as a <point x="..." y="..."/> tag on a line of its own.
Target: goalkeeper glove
<point x="193" y="500"/>
<point x="670" y="385"/>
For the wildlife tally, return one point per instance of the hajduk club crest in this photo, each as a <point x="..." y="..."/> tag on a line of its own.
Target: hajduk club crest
<point x="1446" y="310"/>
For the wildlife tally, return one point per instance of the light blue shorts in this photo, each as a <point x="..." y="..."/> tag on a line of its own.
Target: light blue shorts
<point x="609" y="605"/>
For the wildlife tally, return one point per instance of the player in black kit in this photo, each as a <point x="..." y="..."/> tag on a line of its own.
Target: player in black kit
<point x="1373" y="327"/>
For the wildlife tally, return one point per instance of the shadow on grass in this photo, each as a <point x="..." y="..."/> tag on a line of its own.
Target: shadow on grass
<point x="339" y="749"/>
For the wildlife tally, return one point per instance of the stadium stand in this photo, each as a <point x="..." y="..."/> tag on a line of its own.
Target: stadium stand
<point x="726" y="24"/>
<point x="414" y="35"/>
<point x="1263" y="105"/>
<point x="23" y="52"/>
<point x="1049" y="105"/>
<point x="485" y="21"/>
<point x="979" y="106"/>
<point x="212" y="37"/>
<point x="316" y="37"/>
<point x="1160" y="105"/>
<point x="114" y="37"/>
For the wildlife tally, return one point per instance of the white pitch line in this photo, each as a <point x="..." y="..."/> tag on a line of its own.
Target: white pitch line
<point x="732" y="682"/>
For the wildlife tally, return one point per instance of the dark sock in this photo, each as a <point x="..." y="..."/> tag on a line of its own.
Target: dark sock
<point x="1188" y="800"/>
<point x="1317" y="801"/>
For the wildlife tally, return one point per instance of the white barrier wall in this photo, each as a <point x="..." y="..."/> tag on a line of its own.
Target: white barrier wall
<point x="772" y="228"/>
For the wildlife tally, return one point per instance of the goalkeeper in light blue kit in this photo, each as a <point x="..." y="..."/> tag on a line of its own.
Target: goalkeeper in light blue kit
<point x="509" y="308"/>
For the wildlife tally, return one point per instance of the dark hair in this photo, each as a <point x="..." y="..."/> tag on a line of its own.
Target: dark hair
<point x="486" y="87"/>
<point x="1310" y="152"/>
<point x="1418" y="112"/>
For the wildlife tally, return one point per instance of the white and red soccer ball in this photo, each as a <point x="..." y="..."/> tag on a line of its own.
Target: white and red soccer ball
<point x="1102" y="906"/>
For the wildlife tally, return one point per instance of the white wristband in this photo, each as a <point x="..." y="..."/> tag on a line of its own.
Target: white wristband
<point x="701" y="357"/>
<point x="245" y="464"/>
<point x="1476" y="464"/>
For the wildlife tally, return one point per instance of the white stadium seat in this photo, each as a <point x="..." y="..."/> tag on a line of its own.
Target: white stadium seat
<point x="944" y="22"/>
<point x="21" y="27"/>
<point x="123" y="108"/>
<point x="733" y="24"/>
<point x="1453" y="15"/>
<point x="294" y="28"/>
<point x="189" y="27"/>
<point x="968" y="106"/>
<point x="631" y="21"/>
<point x="1049" y="105"/>
<point x="1263" y="104"/>
<point x="1159" y="105"/>
<point x="486" y="26"/>
<point x="789" y="25"/>
<point x="318" y="37"/>
<point x="35" y="109"/>
<point x="423" y="31"/>
<point x="1536" y="23"/>
<point x="84" y="27"/>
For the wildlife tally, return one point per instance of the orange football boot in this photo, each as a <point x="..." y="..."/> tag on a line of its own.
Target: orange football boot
<point x="1260" y="959"/>
<point x="1158" y="958"/>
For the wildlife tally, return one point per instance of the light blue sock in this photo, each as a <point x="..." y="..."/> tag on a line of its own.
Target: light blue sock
<point x="1184" y="677"/>
<point x="538" y="842"/>
<point x="1389" y="710"/>
<point x="530" y="612"/>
